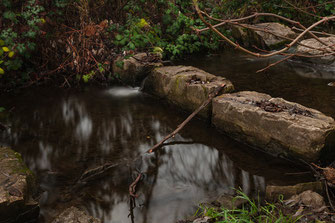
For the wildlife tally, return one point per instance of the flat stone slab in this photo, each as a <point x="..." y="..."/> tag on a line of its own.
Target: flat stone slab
<point x="273" y="192"/>
<point x="74" y="215"/>
<point x="17" y="185"/>
<point x="274" y="125"/>
<point x="185" y="86"/>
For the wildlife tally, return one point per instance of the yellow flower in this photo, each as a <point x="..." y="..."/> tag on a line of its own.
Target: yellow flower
<point x="1" y="71"/>
<point x="5" y="49"/>
<point x="42" y="20"/>
<point x="11" y="54"/>
<point x="158" y="50"/>
<point x="142" y="23"/>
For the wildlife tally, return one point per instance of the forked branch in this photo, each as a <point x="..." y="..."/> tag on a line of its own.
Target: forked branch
<point x="325" y="50"/>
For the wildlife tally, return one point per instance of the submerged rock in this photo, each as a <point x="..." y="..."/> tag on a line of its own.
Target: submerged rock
<point x="316" y="44"/>
<point x="275" y="125"/>
<point x="273" y="192"/>
<point x="186" y="86"/>
<point x="262" y="39"/>
<point x="134" y="69"/>
<point x="74" y="215"/>
<point x="17" y="186"/>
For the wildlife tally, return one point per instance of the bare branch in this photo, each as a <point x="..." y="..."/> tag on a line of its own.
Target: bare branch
<point x="282" y="51"/>
<point x="273" y="64"/>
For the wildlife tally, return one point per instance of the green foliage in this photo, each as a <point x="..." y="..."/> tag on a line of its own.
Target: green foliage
<point x="119" y="64"/>
<point x="88" y="76"/>
<point x="31" y="29"/>
<point x="20" y="32"/>
<point x="252" y="211"/>
<point x="2" y="109"/>
<point x="173" y="32"/>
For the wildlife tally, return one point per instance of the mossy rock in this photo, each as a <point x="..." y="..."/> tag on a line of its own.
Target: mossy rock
<point x="185" y="86"/>
<point x="17" y="186"/>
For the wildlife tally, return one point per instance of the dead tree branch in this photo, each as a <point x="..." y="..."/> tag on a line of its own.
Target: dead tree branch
<point x="273" y="64"/>
<point x="314" y="32"/>
<point x="328" y="49"/>
<point x="181" y="126"/>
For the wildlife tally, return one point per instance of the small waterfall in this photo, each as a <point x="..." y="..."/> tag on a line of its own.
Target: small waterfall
<point x="123" y="91"/>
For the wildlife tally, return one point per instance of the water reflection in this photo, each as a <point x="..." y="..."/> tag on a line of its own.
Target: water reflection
<point x="78" y="131"/>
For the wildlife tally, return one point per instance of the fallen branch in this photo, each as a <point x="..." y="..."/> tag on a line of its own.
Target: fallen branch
<point x="93" y="173"/>
<point x="181" y="126"/>
<point x="315" y="32"/>
<point x="328" y="196"/>
<point x="275" y="63"/>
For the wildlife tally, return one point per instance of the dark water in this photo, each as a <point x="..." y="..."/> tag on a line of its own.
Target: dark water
<point x="61" y="134"/>
<point x="295" y="81"/>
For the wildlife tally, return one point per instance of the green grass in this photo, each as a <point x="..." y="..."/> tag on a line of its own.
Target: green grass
<point x="251" y="211"/>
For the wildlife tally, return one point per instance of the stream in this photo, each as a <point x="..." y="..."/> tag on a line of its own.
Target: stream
<point x="63" y="133"/>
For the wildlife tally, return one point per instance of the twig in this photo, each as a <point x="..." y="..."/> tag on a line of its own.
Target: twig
<point x="315" y="32"/>
<point x="275" y="63"/>
<point x="327" y="192"/>
<point x="213" y="27"/>
<point x="301" y="10"/>
<point x="181" y="126"/>
<point x="132" y="187"/>
<point x="299" y="173"/>
<point x="97" y="171"/>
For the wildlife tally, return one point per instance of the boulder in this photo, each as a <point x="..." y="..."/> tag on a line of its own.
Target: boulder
<point x="308" y="198"/>
<point x="275" y="125"/>
<point x="316" y="44"/>
<point x="273" y="192"/>
<point x="263" y="39"/>
<point x="134" y="69"/>
<point x="74" y="215"/>
<point x="185" y="86"/>
<point x="17" y="186"/>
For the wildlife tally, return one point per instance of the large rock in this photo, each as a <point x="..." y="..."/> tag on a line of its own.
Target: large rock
<point x="74" y="215"/>
<point x="263" y="39"/>
<point x="134" y="69"/>
<point x="275" y="125"/>
<point x="186" y="86"/>
<point x="316" y="44"/>
<point x="308" y="198"/>
<point x="17" y="185"/>
<point x="273" y="192"/>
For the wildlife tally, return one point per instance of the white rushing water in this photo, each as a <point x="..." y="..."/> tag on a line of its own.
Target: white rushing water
<point x="123" y="91"/>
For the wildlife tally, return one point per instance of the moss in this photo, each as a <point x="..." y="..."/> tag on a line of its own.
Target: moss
<point x="22" y="168"/>
<point x="278" y="45"/>
<point x="229" y="88"/>
<point x="14" y="162"/>
<point x="204" y="90"/>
